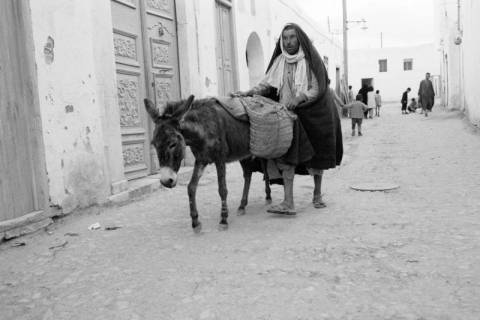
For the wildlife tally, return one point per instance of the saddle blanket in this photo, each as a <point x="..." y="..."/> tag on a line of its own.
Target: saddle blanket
<point x="271" y="123"/>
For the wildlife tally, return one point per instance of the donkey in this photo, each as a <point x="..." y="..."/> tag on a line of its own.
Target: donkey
<point x="214" y="136"/>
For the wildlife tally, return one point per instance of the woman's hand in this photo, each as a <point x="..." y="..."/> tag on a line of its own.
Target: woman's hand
<point x="295" y="102"/>
<point x="241" y="94"/>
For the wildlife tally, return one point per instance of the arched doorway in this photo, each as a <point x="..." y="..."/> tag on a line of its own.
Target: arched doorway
<point x="254" y="56"/>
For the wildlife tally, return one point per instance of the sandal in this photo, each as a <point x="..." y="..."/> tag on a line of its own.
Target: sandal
<point x="318" y="203"/>
<point x="281" y="209"/>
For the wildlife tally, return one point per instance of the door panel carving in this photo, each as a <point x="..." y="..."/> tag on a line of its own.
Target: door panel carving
<point x="145" y="47"/>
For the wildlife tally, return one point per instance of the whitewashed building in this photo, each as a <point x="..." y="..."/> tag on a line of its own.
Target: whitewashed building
<point x="73" y="76"/>
<point x="458" y="50"/>
<point x="392" y="70"/>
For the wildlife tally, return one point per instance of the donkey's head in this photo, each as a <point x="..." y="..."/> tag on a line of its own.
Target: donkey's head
<point x="167" y="139"/>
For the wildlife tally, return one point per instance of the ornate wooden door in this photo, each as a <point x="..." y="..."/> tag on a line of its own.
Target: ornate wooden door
<point x="162" y="55"/>
<point x="145" y="46"/>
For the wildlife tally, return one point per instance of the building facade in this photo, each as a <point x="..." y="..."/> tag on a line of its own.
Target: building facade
<point x="74" y="131"/>
<point x="393" y="70"/>
<point x="458" y="51"/>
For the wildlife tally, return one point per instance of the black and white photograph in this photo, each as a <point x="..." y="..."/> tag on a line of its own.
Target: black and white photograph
<point x="239" y="159"/>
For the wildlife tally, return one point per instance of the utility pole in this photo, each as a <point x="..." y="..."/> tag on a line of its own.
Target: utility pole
<point x="381" y="39"/>
<point x="345" y="43"/>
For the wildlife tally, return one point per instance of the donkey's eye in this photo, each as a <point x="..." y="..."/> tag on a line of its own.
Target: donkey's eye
<point x="172" y="145"/>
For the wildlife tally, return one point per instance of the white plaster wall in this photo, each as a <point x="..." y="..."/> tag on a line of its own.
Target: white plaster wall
<point x="197" y="32"/>
<point x="73" y="91"/>
<point x="268" y="21"/>
<point x="364" y="64"/>
<point x="197" y="57"/>
<point x="471" y="58"/>
<point x="455" y="77"/>
<point x="106" y="92"/>
<point x="452" y="56"/>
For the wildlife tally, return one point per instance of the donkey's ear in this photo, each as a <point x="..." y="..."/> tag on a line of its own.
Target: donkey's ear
<point x="189" y="101"/>
<point x="152" y="110"/>
<point x="182" y="109"/>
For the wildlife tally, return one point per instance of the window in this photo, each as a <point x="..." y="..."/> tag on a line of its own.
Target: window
<point x="325" y="62"/>
<point x="407" y="64"/>
<point x="382" y="65"/>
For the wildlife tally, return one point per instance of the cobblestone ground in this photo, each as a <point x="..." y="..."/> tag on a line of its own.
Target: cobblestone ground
<point x="412" y="253"/>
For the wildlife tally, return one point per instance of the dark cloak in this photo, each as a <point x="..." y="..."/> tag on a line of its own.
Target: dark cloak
<point x="364" y="92"/>
<point x="317" y="139"/>
<point x="426" y="94"/>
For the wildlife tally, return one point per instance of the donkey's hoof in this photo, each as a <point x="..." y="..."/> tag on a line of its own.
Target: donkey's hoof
<point x="222" y="227"/>
<point x="198" y="228"/>
<point x="241" y="212"/>
<point x="268" y="201"/>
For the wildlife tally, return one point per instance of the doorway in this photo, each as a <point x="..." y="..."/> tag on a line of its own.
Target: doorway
<point x="337" y="81"/>
<point x="224" y="48"/>
<point x="145" y="44"/>
<point x="23" y="180"/>
<point x="367" y="82"/>
<point x="255" y="60"/>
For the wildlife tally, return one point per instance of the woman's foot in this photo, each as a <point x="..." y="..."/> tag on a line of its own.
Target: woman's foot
<point x="318" y="202"/>
<point x="282" y="208"/>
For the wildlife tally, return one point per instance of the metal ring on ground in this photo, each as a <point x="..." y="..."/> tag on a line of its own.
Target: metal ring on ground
<point x="375" y="186"/>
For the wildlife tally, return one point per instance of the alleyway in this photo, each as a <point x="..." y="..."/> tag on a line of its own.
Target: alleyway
<point x="412" y="253"/>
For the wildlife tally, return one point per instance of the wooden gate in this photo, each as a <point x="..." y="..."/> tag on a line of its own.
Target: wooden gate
<point x="145" y="44"/>
<point x="22" y="165"/>
<point x="224" y="48"/>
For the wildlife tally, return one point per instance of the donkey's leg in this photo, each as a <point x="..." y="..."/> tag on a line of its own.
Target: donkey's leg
<point x="247" y="178"/>
<point x="192" y="190"/>
<point x="222" y="191"/>
<point x="268" y="192"/>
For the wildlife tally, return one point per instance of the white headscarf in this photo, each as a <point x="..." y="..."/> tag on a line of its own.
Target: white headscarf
<point x="274" y="75"/>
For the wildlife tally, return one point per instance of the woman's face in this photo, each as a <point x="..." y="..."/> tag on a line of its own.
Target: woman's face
<point x="290" y="41"/>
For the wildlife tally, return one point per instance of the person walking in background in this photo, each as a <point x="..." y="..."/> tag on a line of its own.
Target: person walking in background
<point x="426" y="94"/>
<point x="412" y="107"/>
<point x="356" y="108"/>
<point x="404" y="100"/>
<point x="370" y="101"/>
<point x="378" y="103"/>
<point x="351" y="96"/>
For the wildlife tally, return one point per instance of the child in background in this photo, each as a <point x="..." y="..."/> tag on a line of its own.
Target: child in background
<point x="378" y="103"/>
<point x="357" y="108"/>
<point x="412" y="107"/>
<point x="370" y="101"/>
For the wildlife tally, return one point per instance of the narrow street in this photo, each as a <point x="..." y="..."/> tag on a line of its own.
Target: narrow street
<point x="410" y="253"/>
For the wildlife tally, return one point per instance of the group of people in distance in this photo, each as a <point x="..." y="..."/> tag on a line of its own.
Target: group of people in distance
<point x="366" y="102"/>
<point x="426" y="98"/>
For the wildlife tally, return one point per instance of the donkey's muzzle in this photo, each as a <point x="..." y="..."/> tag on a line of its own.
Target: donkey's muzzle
<point x="169" y="183"/>
<point x="168" y="177"/>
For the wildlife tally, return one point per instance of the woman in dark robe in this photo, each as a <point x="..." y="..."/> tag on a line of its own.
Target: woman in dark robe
<point x="296" y="77"/>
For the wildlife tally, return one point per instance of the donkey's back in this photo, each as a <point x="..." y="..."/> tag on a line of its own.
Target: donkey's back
<point x="214" y="134"/>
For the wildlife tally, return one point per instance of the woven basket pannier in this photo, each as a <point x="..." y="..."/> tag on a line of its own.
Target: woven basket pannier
<point x="271" y="127"/>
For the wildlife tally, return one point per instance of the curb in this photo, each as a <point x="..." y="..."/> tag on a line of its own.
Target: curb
<point x="136" y="190"/>
<point x="141" y="187"/>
